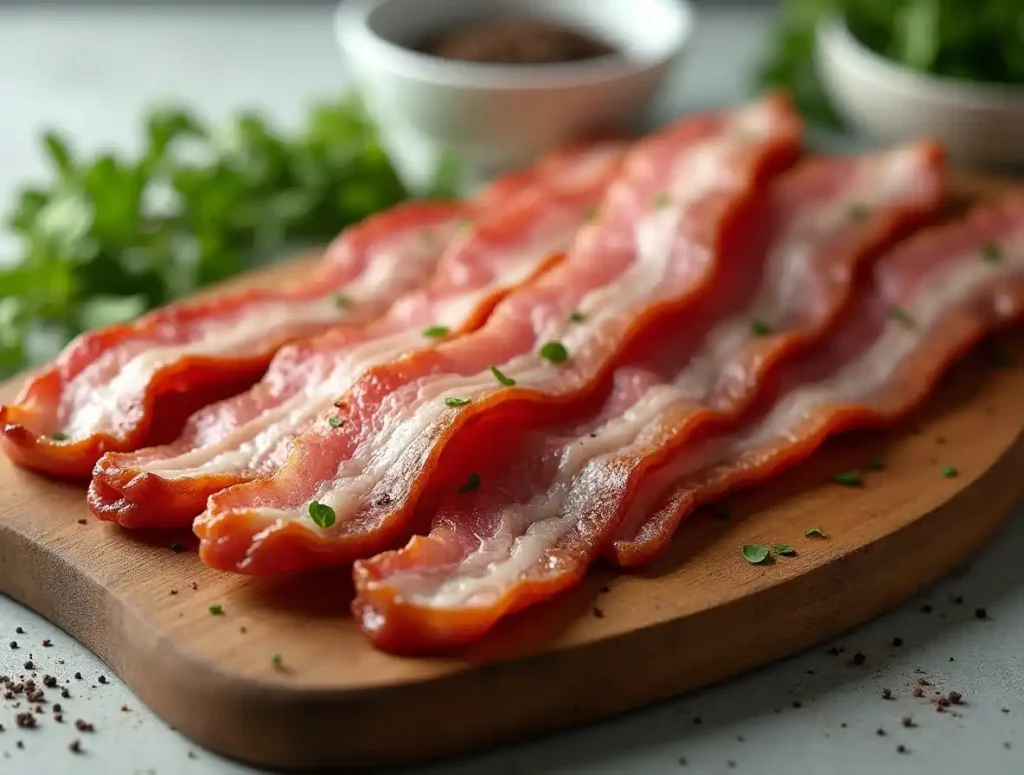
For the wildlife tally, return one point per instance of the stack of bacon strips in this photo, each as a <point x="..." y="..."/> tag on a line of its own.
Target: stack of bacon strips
<point x="621" y="335"/>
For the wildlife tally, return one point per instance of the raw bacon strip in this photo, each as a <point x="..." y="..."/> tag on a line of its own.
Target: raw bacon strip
<point x="684" y="198"/>
<point x="100" y="392"/>
<point x="549" y="503"/>
<point x="933" y="300"/>
<point x="249" y="435"/>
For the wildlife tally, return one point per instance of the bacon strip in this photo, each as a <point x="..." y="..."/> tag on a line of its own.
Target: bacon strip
<point x="549" y="503"/>
<point x="683" y="200"/>
<point x="932" y="301"/>
<point x="248" y="436"/>
<point x="100" y="393"/>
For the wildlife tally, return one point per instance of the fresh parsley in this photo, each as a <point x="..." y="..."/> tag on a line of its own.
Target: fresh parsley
<point x="554" y="352"/>
<point x="814" y="532"/>
<point x="436" y="332"/>
<point x="321" y="514"/>
<point x="756" y="554"/>
<point x="849" y="479"/>
<point x="456" y="401"/>
<point x="503" y="378"/>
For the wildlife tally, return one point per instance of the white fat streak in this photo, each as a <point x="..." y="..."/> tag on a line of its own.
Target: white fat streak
<point x="391" y="270"/>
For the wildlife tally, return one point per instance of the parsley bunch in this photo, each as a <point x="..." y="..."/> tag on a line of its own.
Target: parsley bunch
<point x="977" y="41"/>
<point x="110" y="237"/>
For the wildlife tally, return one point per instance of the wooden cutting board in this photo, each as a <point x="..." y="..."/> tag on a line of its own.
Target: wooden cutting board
<point x="701" y="614"/>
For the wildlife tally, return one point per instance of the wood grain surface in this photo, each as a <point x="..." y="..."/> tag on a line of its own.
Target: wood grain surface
<point x="701" y="614"/>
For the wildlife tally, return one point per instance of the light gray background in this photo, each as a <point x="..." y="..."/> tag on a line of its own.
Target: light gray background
<point x="91" y="71"/>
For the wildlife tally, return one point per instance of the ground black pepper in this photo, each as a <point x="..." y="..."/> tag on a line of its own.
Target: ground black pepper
<point x="30" y="665"/>
<point x="918" y="691"/>
<point x="886" y="694"/>
<point x="14" y="644"/>
<point x="880" y="732"/>
<point x="83" y="522"/>
<point x="859" y="659"/>
<point x="19" y="630"/>
<point x="598" y="613"/>
<point x="49" y="681"/>
<point x="83" y="726"/>
<point x="102" y="679"/>
<point x="955" y="697"/>
<point x="46" y="643"/>
<point x="980" y="613"/>
<point x="902" y="749"/>
<point x="57" y="708"/>
<point x="75" y="746"/>
<point x="897" y="641"/>
<point x="908" y="721"/>
<point x="25" y="720"/>
<point x="65" y="694"/>
<point x="926" y="608"/>
<point x="797" y="704"/>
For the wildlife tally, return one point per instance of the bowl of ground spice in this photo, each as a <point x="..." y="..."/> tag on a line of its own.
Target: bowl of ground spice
<point x="502" y="81"/>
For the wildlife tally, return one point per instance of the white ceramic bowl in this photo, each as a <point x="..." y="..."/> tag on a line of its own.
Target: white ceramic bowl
<point x="496" y="116"/>
<point x="977" y="122"/>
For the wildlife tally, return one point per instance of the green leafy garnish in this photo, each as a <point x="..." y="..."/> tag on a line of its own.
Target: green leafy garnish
<point x="341" y="301"/>
<point x="814" y="532"/>
<point x="577" y="317"/>
<point x="335" y="422"/>
<point x="661" y="200"/>
<point x="501" y="377"/>
<point x="277" y="661"/>
<point x="321" y="514"/>
<point x="849" y="479"/>
<point x="59" y="436"/>
<point x="760" y="328"/>
<point x="109" y="236"/>
<point x="900" y="315"/>
<point x="723" y="512"/>
<point x="950" y="472"/>
<point x="876" y="464"/>
<point x="216" y="609"/>
<point x="554" y="352"/>
<point x="784" y="549"/>
<point x="472" y="483"/>
<point x="591" y="211"/>
<point x="992" y="253"/>
<point x="756" y="554"/>
<point x="435" y="332"/>
<point x="455" y="401"/>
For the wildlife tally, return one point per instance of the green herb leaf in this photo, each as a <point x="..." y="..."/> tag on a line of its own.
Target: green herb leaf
<point x="723" y="512"/>
<point x="784" y="549"/>
<point x="760" y="328"/>
<point x="277" y="661"/>
<point x="756" y="554"/>
<point x="554" y="352"/>
<point x="577" y="317"/>
<point x="876" y="464"/>
<point x="590" y="212"/>
<point x="59" y="436"/>
<point x="950" y="472"/>
<point x="900" y="315"/>
<point x="335" y="422"/>
<point x="472" y="484"/>
<point x="435" y="332"/>
<point x="849" y="479"/>
<point x="341" y="301"/>
<point x="502" y="378"/>
<point x="661" y="201"/>
<point x="814" y="532"/>
<point x="992" y="252"/>
<point x="321" y="514"/>
<point x="858" y="212"/>
<point x="454" y="401"/>
<point x="217" y="609"/>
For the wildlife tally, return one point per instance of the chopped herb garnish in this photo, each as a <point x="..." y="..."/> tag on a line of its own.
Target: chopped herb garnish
<point x="577" y="317"/>
<point x="216" y="609"/>
<point x="591" y="211"/>
<point x="277" y="661"/>
<point x="436" y="332"/>
<point x="992" y="253"/>
<point x="59" y="436"/>
<point x="471" y="484"/>
<point x="661" y="200"/>
<point x="760" y="328"/>
<point x="455" y="401"/>
<point x="950" y="472"/>
<point x="335" y="422"/>
<point x="554" y="352"/>
<point x="341" y="301"/>
<point x="876" y="464"/>
<point x="321" y="514"/>
<point x="755" y="554"/>
<point x="784" y="549"/>
<point x="501" y="377"/>
<point x="814" y="532"/>
<point x="900" y="315"/>
<point x="849" y="479"/>
<point x="858" y="212"/>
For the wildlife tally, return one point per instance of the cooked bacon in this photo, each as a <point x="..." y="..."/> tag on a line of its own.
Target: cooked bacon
<point x="100" y="394"/>
<point x="549" y="503"/>
<point x="248" y="436"/>
<point x="933" y="299"/>
<point x="683" y="202"/>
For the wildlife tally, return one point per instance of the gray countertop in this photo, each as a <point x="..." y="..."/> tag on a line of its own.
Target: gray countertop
<point x="91" y="71"/>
